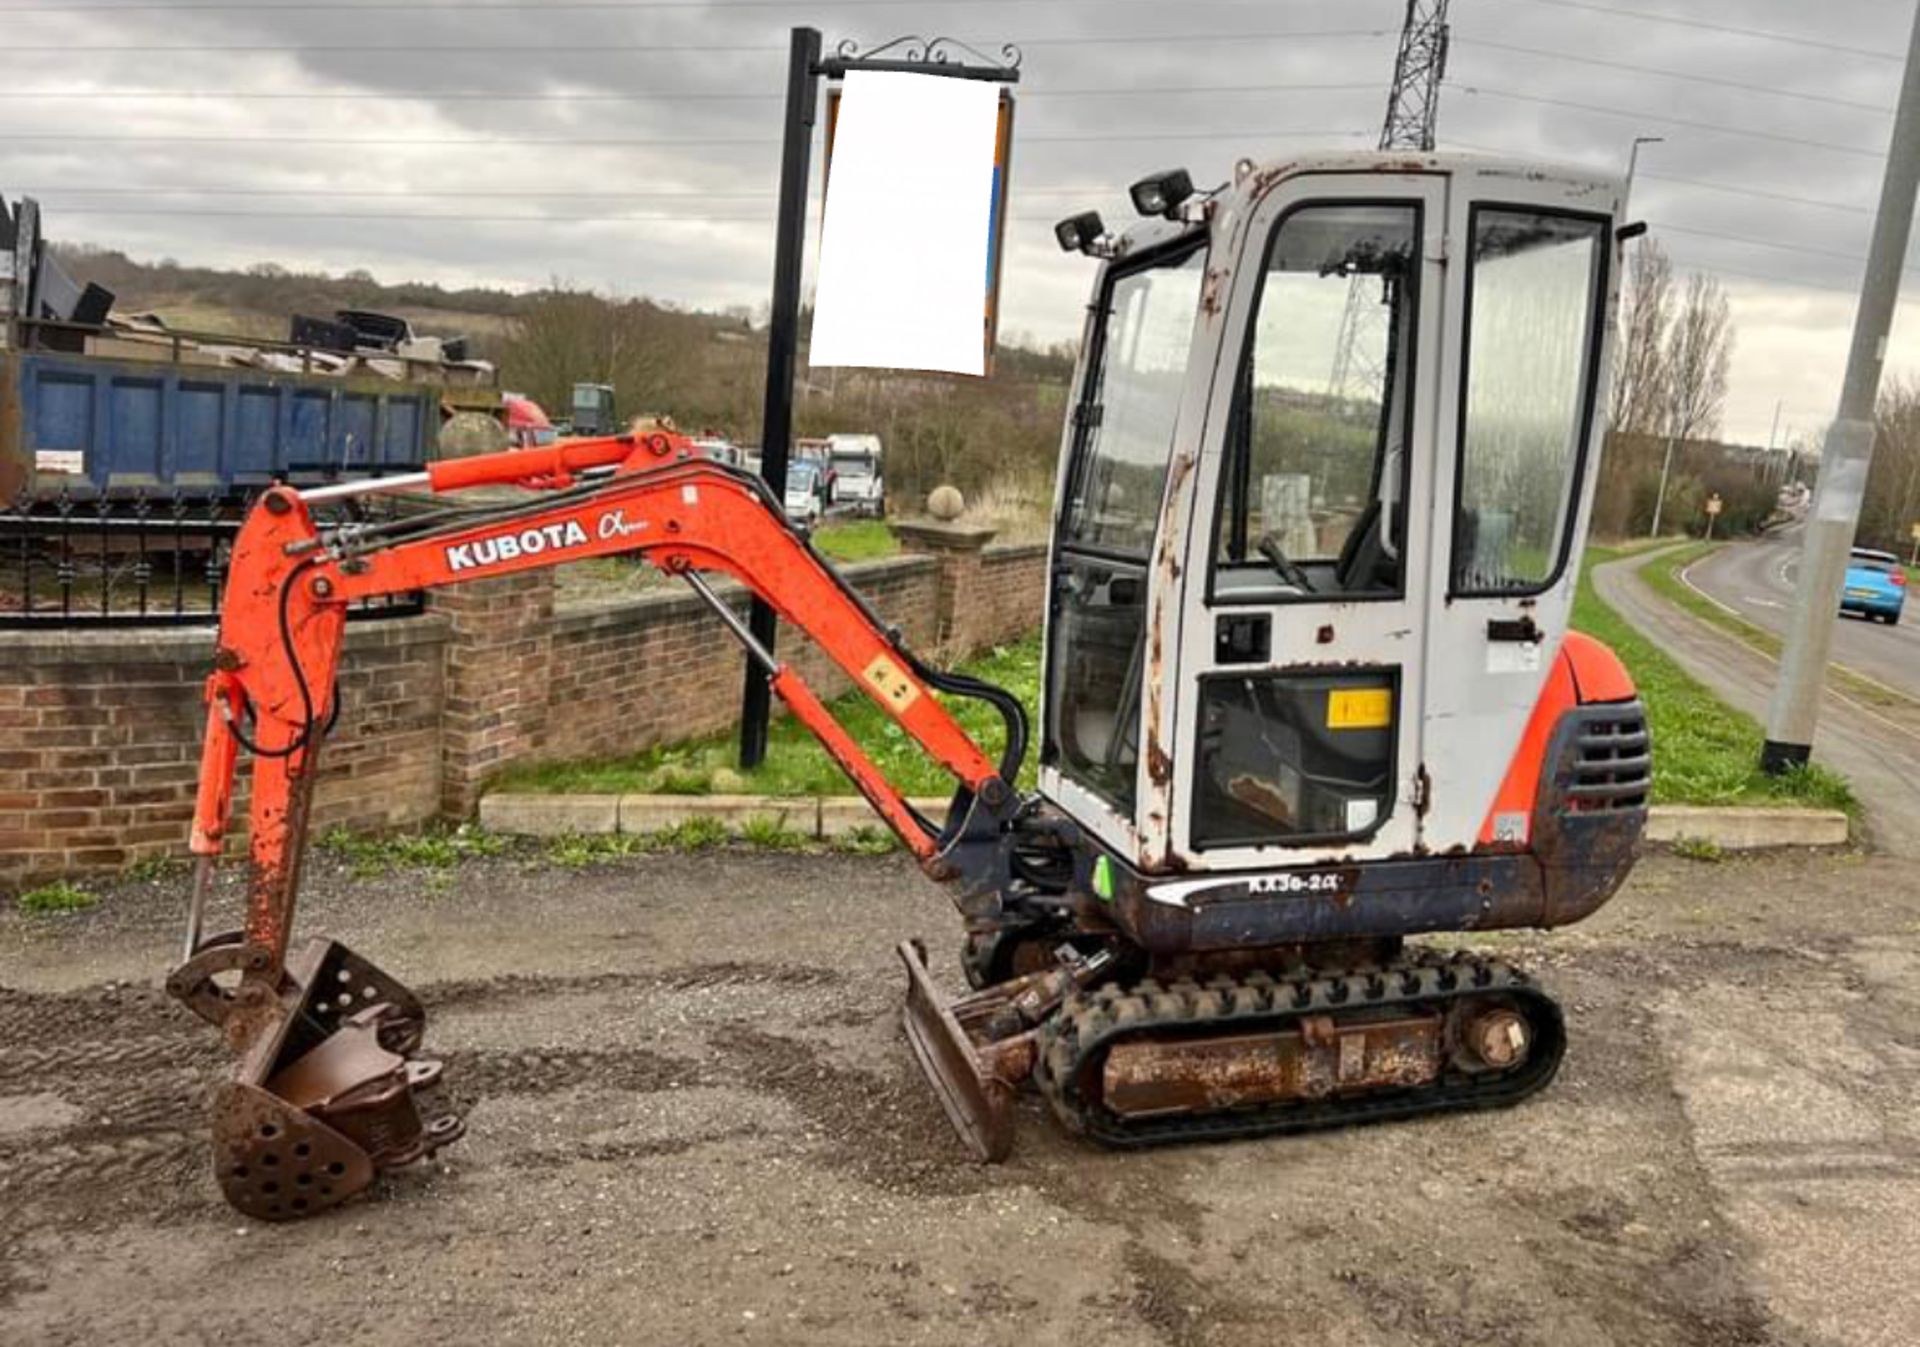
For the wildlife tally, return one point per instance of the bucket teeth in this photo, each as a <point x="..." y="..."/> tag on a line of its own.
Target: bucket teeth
<point x="325" y="1097"/>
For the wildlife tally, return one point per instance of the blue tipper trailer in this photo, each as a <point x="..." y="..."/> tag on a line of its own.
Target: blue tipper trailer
<point x="86" y="425"/>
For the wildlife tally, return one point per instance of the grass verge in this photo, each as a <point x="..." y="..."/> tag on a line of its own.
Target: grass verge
<point x="795" y="763"/>
<point x="856" y="540"/>
<point x="1704" y="751"/>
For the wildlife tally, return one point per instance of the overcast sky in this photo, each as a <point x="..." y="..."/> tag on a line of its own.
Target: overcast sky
<point x="669" y="111"/>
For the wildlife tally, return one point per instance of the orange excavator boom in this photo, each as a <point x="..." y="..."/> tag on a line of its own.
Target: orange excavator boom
<point x="327" y="1039"/>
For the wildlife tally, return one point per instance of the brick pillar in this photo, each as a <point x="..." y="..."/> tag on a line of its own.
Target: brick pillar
<point x="498" y="670"/>
<point x="957" y="548"/>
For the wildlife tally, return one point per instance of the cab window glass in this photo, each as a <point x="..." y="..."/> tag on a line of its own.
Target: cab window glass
<point x="1312" y="496"/>
<point x="1127" y="412"/>
<point x="1123" y="442"/>
<point x="1533" y="285"/>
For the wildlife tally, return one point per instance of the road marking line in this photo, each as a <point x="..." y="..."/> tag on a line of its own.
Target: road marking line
<point x="1867" y="711"/>
<point x="1868" y="679"/>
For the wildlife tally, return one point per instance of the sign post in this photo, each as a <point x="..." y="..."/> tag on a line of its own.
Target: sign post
<point x="806" y="67"/>
<point x="1713" y="513"/>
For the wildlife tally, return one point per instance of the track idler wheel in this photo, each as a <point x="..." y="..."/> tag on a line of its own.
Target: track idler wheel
<point x="324" y="1095"/>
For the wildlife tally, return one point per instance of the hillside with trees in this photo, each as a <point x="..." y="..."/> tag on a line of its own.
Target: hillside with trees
<point x="705" y="370"/>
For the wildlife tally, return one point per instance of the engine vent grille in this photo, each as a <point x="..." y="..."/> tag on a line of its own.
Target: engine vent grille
<point x="1613" y="765"/>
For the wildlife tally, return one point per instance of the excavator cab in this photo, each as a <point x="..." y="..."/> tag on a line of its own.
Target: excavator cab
<point x="1309" y="689"/>
<point x="1319" y="520"/>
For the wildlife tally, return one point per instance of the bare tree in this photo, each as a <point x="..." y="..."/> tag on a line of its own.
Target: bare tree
<point x="570" y="336"/>
<point x="1698" y="351"/>
<point x="1892" y="504"/>
<point x="1640" y="397"/>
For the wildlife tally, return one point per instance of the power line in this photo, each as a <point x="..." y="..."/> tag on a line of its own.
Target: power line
<point x="487" y="142"/>
<point x="151" y="190"/>
<point x="427" y="48"/>
<point x="666" y="96"/>
<point x="1641" y="116"/>
<point x="1686" y="76"/>
<point x="331" y="191"/>
<point x="1706" y="25"/>
<point x="1762" y="193"/>
<point x="510" y="6"/>
<point x="700" y="194"/>
<point x="451" y="217"/>
<point x="1750" y="241"/>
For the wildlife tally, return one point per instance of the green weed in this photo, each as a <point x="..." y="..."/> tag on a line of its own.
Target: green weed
<point x="577" y="851"/>
<point x="770" y="833"/>
<point x="1699" y="849"/>
<point x="153" y="869"/>
<point x="59" y="896"/>
<point x="695" y="834"/>
<point x="370" y="855"/>
<point x="867" y="840"/>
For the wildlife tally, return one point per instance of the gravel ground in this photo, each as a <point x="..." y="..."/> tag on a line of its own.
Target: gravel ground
<point x="693" y="1119"/>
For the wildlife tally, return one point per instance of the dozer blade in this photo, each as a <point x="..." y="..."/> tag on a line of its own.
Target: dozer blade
<point x="323" y="1097"/>
<point x="978" y="1101"/>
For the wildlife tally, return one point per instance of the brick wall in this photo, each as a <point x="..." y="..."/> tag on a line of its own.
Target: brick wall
<point x="100" y="741"/>
<point x="631" y="673"/>
<point x="100" y="731"/>
<point x="1008" y="598"/>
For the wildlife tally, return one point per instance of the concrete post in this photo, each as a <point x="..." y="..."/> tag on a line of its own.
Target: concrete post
<point x="958" y="548"/>
<point x="1849" y="448"/>
<point x="499" y="666"/>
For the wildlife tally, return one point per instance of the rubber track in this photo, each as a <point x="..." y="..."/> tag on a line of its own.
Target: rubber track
<point x="1075" y="1041"/>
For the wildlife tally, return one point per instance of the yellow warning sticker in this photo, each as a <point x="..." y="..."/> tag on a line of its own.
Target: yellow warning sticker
<point x="1359" y="708"/>
<point x="891" y="682"/>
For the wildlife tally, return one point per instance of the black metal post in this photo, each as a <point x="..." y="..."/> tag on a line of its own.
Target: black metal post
<point x="783" y="342"/>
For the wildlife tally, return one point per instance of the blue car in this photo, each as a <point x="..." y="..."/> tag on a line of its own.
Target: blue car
<point x="1876" y="585"/>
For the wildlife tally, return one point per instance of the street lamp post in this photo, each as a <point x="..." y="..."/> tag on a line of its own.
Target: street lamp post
<point x="1848" y="451"/>
<point x="1633" y="159"/>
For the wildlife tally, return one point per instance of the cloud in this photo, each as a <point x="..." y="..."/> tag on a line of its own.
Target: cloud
<point x="527" y="132"/>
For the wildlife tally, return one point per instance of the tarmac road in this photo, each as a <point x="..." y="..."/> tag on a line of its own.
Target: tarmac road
<point x="692" y="1119"/>
<point x="1877" y="747"/>
<point x="1757" y="580"/>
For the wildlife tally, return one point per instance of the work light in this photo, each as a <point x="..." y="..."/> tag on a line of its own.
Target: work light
<point x="1077" y="233"/>
<point x="1162" y="193"/>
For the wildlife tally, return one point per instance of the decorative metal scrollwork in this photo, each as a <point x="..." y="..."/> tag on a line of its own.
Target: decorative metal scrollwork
<point x="926" y="51"/>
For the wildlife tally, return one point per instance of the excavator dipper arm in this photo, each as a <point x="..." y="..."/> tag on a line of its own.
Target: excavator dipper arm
<point x="325" y="1037"/>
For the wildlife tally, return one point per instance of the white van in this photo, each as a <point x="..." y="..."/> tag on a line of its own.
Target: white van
<point x="858" y="487"/>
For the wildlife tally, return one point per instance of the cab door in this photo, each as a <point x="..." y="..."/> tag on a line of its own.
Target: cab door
<point x="1302" y="675"/>
<point x="1524" y="373"/>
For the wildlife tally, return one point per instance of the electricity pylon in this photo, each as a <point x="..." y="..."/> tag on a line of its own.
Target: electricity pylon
<point x="1413" y="105"/>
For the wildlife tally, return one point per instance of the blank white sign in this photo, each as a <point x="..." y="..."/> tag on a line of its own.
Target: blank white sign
<point x="903" y="248"/>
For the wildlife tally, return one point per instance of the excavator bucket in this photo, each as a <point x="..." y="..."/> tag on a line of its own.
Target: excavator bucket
<point x="324" y="1094"/>
<point x="978" y="1102"/>
<point x="977" y="1051"/>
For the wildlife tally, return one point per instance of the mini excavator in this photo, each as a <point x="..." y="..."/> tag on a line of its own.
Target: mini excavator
<point x="1309" y="689"/>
